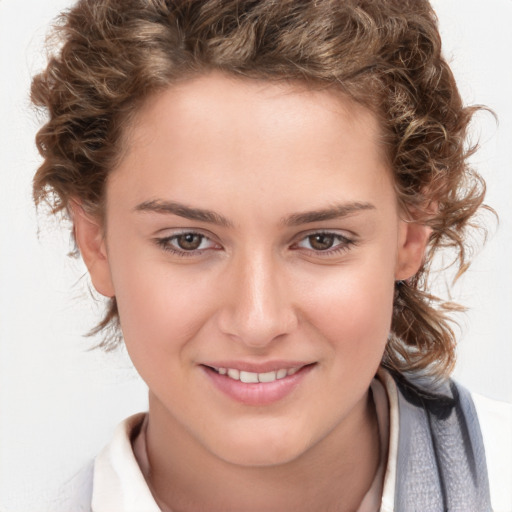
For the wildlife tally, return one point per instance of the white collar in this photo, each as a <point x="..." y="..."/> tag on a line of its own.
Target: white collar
<point x="119" y="484"/>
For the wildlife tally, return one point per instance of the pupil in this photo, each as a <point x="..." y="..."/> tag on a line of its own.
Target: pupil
<point x="321" y="242"/>
<point x="189" y="241"/>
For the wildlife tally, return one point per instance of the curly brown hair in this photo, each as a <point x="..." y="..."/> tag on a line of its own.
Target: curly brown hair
<point x="383" y="54"/>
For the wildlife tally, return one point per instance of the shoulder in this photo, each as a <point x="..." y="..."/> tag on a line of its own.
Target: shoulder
<point x="118" y="482"/>
<point x="112" y="481"/>
<point x="495" y="419"/>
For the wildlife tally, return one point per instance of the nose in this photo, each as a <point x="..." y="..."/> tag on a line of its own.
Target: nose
<point x="258" y="308"/>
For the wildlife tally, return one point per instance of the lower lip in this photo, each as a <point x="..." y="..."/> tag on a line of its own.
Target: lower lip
<point x="262" y="393"/>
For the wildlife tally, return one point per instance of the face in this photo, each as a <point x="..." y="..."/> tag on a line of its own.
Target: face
<point x="252" y="241"/>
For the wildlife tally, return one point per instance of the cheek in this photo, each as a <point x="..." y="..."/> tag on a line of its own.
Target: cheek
<point x="161" y="315"/>
<point x="353" y="311"/>
<point x="160" y="309"/>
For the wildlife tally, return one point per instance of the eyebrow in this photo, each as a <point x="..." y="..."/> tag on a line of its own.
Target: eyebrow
<point x="334" y="212"/>
<point x="181" y="210"/>
<point x="211" y="217"/>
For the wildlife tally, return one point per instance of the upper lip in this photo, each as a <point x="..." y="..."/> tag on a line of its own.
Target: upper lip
<point x="257" y="367"/>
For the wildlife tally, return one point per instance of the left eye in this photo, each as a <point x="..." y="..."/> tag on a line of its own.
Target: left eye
<point x="324" y="242"/>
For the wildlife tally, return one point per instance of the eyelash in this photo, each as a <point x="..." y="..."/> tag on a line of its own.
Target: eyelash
<point x="344" y="244"/>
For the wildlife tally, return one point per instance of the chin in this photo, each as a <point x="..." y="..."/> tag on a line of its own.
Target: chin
<point x="260" y="449"/>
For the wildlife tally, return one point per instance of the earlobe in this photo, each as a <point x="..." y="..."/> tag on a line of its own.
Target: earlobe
<point x="413" y="240"/>
<point x="89" y="237"/>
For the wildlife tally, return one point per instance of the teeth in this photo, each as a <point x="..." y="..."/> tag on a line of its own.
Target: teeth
<point x="248" y="377"/>
<point x="267" y="377"/>
<point x="253" y="378"/>
<point x="234" y="374"/>
<point x="281" y="374"/>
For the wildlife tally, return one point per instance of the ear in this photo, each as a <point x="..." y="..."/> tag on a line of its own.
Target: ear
<point x="89" y="237"/>
<point x="412" y="243"/>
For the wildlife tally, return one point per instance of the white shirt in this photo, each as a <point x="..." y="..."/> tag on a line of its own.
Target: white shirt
<point x="119" y="485"/>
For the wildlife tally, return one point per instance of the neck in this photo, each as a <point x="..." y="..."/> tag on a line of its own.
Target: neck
<point x="334" y="473"/>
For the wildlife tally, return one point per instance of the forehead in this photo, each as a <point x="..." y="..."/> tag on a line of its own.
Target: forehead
<point x="216" y="105"/>
<point x="234" y="134"/>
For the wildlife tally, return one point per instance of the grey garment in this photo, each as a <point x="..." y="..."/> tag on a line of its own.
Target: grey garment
<point x="441" y="462"/>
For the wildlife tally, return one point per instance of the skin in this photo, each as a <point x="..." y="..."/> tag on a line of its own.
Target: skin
<point x="258" y="155"/>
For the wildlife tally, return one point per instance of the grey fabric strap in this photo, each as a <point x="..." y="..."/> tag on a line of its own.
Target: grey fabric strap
<point x="441" y="459"/>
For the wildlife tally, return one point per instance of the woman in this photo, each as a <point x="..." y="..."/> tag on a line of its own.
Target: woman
<point x="260" y="189"/>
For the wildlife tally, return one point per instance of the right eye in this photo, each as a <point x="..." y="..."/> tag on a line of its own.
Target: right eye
<point x="186" y="243"/>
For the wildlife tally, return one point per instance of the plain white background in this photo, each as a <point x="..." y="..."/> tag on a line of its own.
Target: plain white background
<point x="59" y="402"/>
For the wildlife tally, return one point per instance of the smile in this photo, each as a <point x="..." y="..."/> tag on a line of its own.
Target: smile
<point x="257" y="388"/>
<point x="254" y="378"/>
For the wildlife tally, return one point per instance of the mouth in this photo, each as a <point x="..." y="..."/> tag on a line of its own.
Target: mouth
<point x="245" y="384"/>
<point x="254" y="377"/>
